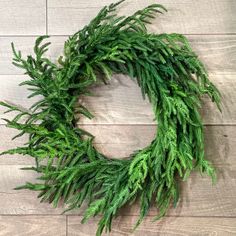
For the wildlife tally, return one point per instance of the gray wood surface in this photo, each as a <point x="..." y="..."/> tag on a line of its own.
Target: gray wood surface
<point x="121" y="140"/>
<point x="24" y="17"/>
<point x="124" y="122"/>
<point x="199" y="197"/>
<point x="32" y="225"/>
<point x="188" y="17"/>
<point x="171" y="226"/>
<point x="121" y="101"/>
<point x="216" y="51"/>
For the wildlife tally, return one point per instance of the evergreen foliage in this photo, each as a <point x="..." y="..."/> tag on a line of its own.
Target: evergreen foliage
<point x="169" y="74"/>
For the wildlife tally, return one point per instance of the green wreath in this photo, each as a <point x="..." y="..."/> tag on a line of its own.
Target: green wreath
<point x="71" y="169"/>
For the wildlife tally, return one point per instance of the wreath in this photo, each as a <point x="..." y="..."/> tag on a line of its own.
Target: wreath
<point x="71" y="169"/>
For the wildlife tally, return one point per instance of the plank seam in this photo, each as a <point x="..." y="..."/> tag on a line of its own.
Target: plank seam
<point x="211" y="73"/>
<point x="117" y="124"/>
<point x="46" y="4"/>
<point x="150" y="216"/>
<point x="66" y="225"/>
<point x="67" y="35"/>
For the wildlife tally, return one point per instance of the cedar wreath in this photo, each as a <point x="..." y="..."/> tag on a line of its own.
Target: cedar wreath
<point x="71" y="169"/>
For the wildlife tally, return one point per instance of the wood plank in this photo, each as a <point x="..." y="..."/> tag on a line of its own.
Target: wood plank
<point x="23" y="202"/>
<point x="15" y="94"/>
<point x="122" y="226"/>
<point x="25" y="44"/>
<point x="120" y="141"/>
<point x="25" y="17"/>
<point x="188" y="17"/>
<point x="216" y="51"/>
<point x="32" y="225"/>
<point x="121" y="101"/>
<point x="198" y="196"/>
<point x="7" y="134"/>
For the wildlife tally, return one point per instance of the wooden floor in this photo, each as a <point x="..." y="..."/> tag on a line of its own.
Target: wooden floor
<point x="124" y="122"/>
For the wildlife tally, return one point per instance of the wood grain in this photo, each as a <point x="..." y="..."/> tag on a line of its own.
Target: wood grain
<point x="171" y="226"/>
<point x="25" y="17"/>
<point x="216" y="51"/>
<point x="23" y="202"/>
<point x="121" y="140"/>
<point x="198" y="198"/>
<point x="188" y="17"/>
<point x="121" y="101"/>
<point x="13" y="93"/>
<point x="32" y="225"/>
<point x="24" y="44"/>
